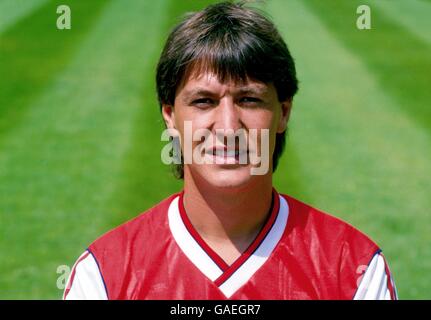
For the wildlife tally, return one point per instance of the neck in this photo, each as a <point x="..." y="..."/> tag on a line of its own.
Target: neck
<point x="220" y="214"/>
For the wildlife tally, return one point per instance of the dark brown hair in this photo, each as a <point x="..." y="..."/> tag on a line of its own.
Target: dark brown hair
<point x="234" y="42"/>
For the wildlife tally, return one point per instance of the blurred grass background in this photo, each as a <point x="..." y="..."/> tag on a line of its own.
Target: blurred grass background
<point x="80" y="127"/>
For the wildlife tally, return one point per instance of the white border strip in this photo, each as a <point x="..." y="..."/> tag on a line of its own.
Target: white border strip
<point x="188" y="244"/>
<point x="374" y="282"/>
<point x="261" y="255"/>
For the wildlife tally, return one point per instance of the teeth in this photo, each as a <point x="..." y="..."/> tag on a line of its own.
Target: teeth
<point x="219" y="153"/>
<point x="229" y="153"/>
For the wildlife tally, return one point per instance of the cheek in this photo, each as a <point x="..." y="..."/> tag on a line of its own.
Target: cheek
<point x="264" y="119"/>
<point x="198" y="118"/>
<point x="193" y="126"/>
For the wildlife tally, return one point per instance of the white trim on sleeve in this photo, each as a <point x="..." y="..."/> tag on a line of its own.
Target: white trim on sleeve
<point x="85" y="281"/>
<point x="373" y="285"/>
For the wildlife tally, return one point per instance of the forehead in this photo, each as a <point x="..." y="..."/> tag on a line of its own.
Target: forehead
<point x="211" y="82"/>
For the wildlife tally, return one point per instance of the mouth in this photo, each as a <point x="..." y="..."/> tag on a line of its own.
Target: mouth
<point x="223" y="155"/>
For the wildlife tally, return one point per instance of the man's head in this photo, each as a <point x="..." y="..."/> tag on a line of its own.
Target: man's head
<point x="237" y="56"/>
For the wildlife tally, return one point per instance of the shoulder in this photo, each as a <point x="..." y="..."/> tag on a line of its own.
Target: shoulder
<point x="112" y="259"/>
<point x="314" y="224"/>
<point x="352" y="264"/>
<point x="143" y="227"/>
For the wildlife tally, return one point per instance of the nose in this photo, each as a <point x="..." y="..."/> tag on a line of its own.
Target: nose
<point x="228" y="116"/>
<point x="228" y="121"/>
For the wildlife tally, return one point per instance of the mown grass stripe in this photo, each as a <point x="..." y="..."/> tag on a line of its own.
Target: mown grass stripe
<point x="399" y="60"/>
<point x="61" y="163"/>
<point x="362" y="159"/>
<point x="413" y="15"/>
<point x="11" y="11"/>
<point x="33" y="52"/>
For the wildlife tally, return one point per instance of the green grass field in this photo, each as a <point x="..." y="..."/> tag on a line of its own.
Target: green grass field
<point x="80" y="127"/>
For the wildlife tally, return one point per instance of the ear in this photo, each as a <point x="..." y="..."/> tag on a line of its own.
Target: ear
<point x="286" y="106"/>
<point x="168" y="113"/>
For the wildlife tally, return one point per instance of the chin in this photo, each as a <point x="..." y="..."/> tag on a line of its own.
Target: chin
<point x="228" y="179"/>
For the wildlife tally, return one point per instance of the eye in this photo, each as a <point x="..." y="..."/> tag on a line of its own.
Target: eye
<point x="250" y="100"/>
<point x="202" y="102"/>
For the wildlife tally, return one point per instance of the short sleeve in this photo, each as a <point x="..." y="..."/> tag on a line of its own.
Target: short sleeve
<point x="377" y="282"/>
<point x="85" y="281"/>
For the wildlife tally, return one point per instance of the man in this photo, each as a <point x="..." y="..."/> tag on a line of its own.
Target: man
<point x="226" y="74"/>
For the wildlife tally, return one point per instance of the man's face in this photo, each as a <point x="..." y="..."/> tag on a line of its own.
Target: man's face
<point x="205" y="105"/>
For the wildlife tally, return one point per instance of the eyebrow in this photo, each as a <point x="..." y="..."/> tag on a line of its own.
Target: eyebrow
<point x="257" y="90"/>
<point x="252" y="90"/>
<point x="198" y="92"/>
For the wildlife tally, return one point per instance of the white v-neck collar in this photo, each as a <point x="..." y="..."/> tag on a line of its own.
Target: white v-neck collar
<point x="228" y="278"/>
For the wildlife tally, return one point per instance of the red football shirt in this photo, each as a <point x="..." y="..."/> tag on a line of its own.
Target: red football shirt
<point x="300" y="253"/>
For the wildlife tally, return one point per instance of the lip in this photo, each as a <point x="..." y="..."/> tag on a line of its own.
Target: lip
<point x="225" y="151"/>
<point x="224" y="156"/>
